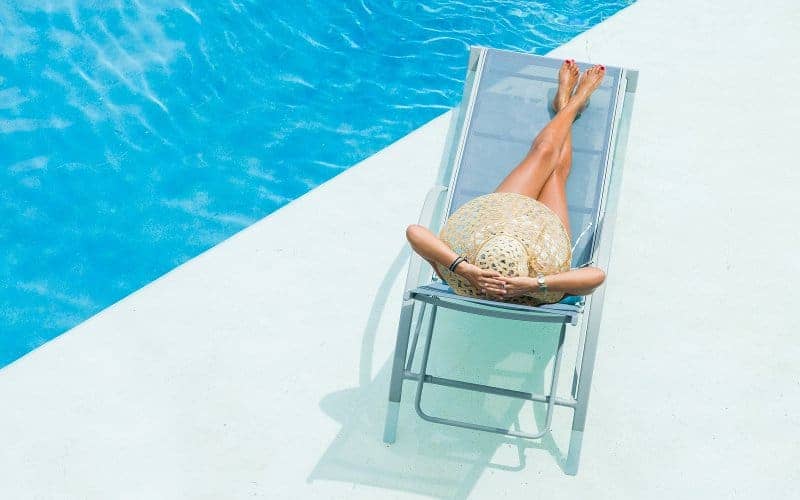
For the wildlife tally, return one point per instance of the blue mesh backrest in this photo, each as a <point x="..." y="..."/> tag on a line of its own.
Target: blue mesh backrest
<point x="511" y="107"/>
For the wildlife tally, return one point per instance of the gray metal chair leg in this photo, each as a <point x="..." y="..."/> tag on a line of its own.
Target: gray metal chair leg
<point x="574" y="453"/>
<point x="398" y="365"/>
<point x="584" y="382"/>
<point x="413" y="348"/>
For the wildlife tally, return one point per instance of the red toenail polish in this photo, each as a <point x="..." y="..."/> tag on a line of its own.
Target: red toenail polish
<point x="602" y="67"/>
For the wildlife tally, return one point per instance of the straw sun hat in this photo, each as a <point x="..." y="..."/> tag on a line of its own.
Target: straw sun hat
<point x="512" y="234"/>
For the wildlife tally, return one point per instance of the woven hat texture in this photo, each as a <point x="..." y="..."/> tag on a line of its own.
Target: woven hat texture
<point x="512" y="234"/>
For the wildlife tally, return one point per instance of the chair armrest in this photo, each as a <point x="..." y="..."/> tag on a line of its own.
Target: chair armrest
<point x="430" y="202"/>
<point x="416" y="262"/>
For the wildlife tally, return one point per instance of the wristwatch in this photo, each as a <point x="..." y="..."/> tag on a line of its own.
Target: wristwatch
<point x="541" y="282"/>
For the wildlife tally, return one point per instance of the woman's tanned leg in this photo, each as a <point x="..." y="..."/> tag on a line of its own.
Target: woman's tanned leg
<point x="530" y="176"/>
<point x="554" y="195"/>
<point x="554" y="191"/>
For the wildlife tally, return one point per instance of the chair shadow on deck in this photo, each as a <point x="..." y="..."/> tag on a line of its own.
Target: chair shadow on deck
<point x="431" y="459"/>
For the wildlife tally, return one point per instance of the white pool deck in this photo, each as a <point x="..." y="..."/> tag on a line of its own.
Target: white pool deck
<point x="260" y="368"/>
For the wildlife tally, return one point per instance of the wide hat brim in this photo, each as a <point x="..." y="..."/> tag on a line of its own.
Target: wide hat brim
<point x="496" y="230"/>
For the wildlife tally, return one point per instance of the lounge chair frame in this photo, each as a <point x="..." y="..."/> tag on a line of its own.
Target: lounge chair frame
<point x="422" y="289"/>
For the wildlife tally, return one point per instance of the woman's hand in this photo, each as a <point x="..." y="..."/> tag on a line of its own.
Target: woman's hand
<point x="485" y="280"/>
<point x="518" y="285"/>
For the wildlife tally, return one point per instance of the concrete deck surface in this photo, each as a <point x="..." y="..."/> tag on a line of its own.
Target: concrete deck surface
<point x="260" y="368"/>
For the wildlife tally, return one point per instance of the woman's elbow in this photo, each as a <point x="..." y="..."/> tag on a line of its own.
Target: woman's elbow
<point x="413" y="233"/>
<point x="597" y="277"/>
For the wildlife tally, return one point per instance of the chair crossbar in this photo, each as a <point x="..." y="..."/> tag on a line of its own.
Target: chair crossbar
<point x="488" y="389"/>
<point x="498" y="310"/>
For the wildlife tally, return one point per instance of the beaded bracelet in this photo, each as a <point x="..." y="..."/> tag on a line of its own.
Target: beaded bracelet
<point x="456" y="262"/>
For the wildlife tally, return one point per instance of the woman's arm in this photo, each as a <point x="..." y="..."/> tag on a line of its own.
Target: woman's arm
<point x="431" y="248"/>
<point x="434" y="250"/>
<point x="581" y="281"/>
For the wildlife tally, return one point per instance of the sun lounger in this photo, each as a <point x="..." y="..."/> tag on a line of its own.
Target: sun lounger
<point x="505" y="103"/>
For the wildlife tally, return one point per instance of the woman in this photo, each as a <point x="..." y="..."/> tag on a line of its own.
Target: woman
<point x="541" y="175"/>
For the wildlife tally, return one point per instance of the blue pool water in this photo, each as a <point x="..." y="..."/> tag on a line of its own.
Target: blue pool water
<point x="136" y="136"/>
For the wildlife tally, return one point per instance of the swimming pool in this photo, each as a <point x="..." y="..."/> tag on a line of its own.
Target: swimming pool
<point x="136" y="136"/>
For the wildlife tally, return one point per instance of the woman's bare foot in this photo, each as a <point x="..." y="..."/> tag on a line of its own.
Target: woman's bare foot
<point x="588" y="83"/>
<point x="567" y="78"/>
